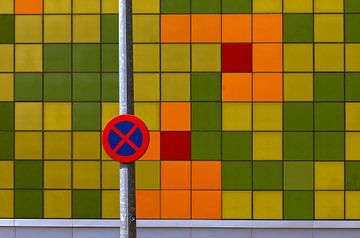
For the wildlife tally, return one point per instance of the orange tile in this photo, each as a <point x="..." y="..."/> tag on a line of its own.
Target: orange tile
<point x="28" y="6"/>
<point x="175" y="116"/>
<point x="267" y="87"/>
<point x="267" y="57"/>
<point x="206" y="28"/>
<point x="236" y="28"/>
<point x="206" y="205"/>
<point x="153" y="151"/>
<point x="175" y="175"/>
<point x="206" y="174"/>
<point x="175" y="28"/>
<point x="148" y="204"/>
<point x="236" y="87"/>
<point x="267" y="28"/>
<point x="175" y="204"/>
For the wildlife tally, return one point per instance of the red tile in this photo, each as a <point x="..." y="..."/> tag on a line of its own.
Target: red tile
<point x="237" y="58"/>
<point x="175" y="145"/>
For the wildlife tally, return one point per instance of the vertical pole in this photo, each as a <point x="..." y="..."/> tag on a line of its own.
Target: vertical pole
<point x="127" y="171"/>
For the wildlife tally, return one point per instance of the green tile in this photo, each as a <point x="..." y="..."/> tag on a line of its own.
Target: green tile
<point x="86" y="57"/>
<point x="236" y="6"/>
<point x="205" y="146"/>
<point x="352" y="83"/>
<point x="236" y="145"/>
<point x="28" y="174"/>
<point x="86" y="87"/>
<point x="110" y="87"/>
<point x="110" y="28"/>
<point x="57" y="86"/>
<point x="352" y="22"/>
<point x="147" y="175"/>
<point x="298" y="28"/>
<point x="175" y="6"/>
<point x="86" y="116"/>
<point x="298" y="146"/>
<point x="6" y="116"/>
<point x="208" y="6"/>
<point x="267" y="175"/>
<point x="28" y="204"/>
<point x="206" y="116"/>
<point x="352" y="169"/>
<point x="298" y="175"/>
<point x="329" y="116"/>
<point x="57" y="57"/>
<point x="86" y="204"/>
<point x="329" y="87"/>
<point x="6" y="145"/>
<point x="28" y="86"/>
<point x="236" y="175"/>
<point x="110" y="58"/>
<point x="205" y="87"/>
<point x="298" y="116"/>
<point x="329" y="146"/>
<point x="7" y="29"/>
<point x="352" y="6"/>
<point x="298" y="205"/>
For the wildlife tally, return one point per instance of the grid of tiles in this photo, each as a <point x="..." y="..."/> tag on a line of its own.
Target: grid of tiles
<point x="253" y="107"/>
<point x="58" y="86"/>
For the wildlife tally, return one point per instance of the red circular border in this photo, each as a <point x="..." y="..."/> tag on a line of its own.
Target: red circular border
<point x="145" y="140"/>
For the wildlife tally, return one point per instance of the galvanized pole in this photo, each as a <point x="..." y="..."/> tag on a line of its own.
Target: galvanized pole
<point x="127" y="171"/>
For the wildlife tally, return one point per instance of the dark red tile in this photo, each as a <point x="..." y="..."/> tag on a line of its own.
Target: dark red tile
<point x="175" y="145"/>
<point x="236" y="58"/>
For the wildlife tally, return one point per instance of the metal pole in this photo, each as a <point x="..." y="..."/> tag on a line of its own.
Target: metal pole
<point x="127" y="171"/>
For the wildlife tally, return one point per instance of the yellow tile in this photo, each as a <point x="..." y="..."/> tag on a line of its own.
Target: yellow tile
<point x="267" y="205"/>
<point x="236" y="204"/>
<point x="352" y="57"/>
<point x="236" y="116"/>
<point x="57" y="174"/>
<point x="57" y="28"/>
<point x="329" y="27"/>
<point x="298" y="6"/>
<point x="175" y="57"/>
<point x="109" y="110"/>
<point x="110" y="6"/>
<point x="110" y="204"/>
<point x="267" y="146"/>
<point x="329" y="204"/>
<point x="352" y="201"/>
<point x="6" y="87"/>
<point x="328" y="6"/>
<point x="110" y="175"/>
<point x="266" y="6"/>
<point x="57" y="145"/>
<point x="7" y="174"/>
<point x="298" y="87"/>
<point x="58" y="6"/>
<point x="329" y="175"/>
<point x="86" y="28"/>
<point x="6" y="58"/>
<point x="149" y="113"/>
<point x="57" y="204"/>
<point x="146" y="87"/>
<point x="86" y="175"/>
<point x="329" y="57"/>
<point x="146" y="6"/>
<point x="267" y="116"/>
<point x="206" y="57"/>
<point x="7" y="204"/>
<point x="6" y="6"/>
<point x="352" y="146"/>
<point x="86" y="145"/>
<point x="146" y="57"/>
<point x="353" y="116"/>
<point x="298" y="57"/>
<point x="146" y="28"/>
<point x="28" y="58"/>
<point x="28" y="116"/>
<point x="28" y="28"/>
<point x="28" y="145"/>
<point x="175" y="87"/>
<point x="57" y="116"/>
<point x="86" y="6"/>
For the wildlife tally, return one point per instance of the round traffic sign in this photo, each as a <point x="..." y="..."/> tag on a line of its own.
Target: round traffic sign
<point x="125" y="138"/>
